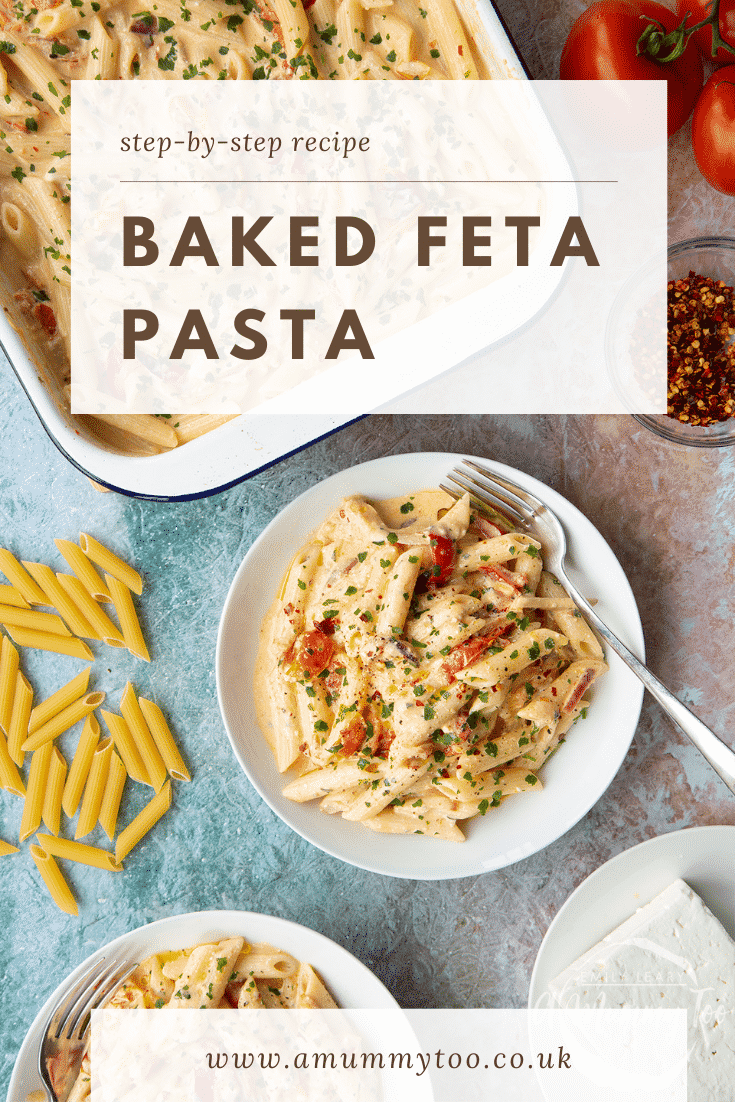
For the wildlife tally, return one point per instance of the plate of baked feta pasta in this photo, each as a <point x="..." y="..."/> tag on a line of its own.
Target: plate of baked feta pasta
<point x="398" y="673"/>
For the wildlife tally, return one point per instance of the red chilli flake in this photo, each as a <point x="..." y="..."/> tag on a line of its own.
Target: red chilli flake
<point x="701" y="354"/>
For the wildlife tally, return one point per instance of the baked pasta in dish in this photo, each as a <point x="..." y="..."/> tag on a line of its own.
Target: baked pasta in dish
<point x="418" y="665"/>
<point x="46" y="45"/>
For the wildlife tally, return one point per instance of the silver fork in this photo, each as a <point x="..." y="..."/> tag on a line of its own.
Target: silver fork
<point x="65" y="1031"/>
<point x="523" y="510"/>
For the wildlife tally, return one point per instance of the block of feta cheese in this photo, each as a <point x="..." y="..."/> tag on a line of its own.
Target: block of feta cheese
<point x="672" y="953"/>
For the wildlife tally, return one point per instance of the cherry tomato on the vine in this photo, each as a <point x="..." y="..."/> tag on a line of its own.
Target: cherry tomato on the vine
<point x="713" y="130"/>
<point x="698" y="11"/>
<point x="602" y="45"/>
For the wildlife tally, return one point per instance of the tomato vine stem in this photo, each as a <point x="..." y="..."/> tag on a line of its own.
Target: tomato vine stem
<point x="655" y="40"/>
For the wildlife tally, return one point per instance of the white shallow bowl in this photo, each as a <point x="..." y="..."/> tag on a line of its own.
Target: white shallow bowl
<point x="702" y="856"/>
<point x="350" y="982"/>
<point x="574" y="779"/>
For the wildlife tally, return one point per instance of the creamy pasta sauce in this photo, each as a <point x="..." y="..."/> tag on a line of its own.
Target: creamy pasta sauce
<point x="418" y="665"/>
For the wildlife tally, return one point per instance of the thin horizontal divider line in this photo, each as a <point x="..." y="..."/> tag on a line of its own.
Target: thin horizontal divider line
<point x="368" y="181"/>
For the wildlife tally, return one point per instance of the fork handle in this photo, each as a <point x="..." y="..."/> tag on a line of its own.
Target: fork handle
<point x="716" y="752"/>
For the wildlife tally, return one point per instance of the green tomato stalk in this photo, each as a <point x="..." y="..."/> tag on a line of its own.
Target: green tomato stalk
<point x="655" y="40"/>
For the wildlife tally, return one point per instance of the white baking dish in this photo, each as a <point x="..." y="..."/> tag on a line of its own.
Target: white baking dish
<point x="249" y="443"/>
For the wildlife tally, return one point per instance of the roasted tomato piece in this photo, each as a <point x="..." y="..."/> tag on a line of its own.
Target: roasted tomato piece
<point x="353" y="736"/>
<point x="467" y="653"/>
<point x="443" y="552"/>
<point x="315" y="652"/>
<point x="46" y="317"/>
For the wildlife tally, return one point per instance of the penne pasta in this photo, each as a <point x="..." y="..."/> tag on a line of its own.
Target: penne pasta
<point x="79" y="852"/>
<point x="19" y="719"/>
<point x="10" y="778"/>
<point x="91" y="611"/>
<point x="129" y="623"/>
<point x="35" y="621"/>
<point x="81" y="762"/>
<point x="57" y="596"/>
<point x="37" y="778"/>
<point x="9" y="595"/>
<point x="59" y="700"/>
<point x="8" y="675"/>
<point x="142" y="823"/>
<point x="20" y="579"/>
<point x="53" y="879"/>
<point x="110" y="563"/>
<point x="44" y="640"/>
<point x="6" y="848"/>
<point x="65" y="719"/>
<point x="126" y="747"/>
<point x="114" y="785"/>
<point x="83" y="570"/>
<point x="51" y="811"/>
<point x="164" y="740"/>
<point x="146" y="746"/>
<point x="94" y="788"/>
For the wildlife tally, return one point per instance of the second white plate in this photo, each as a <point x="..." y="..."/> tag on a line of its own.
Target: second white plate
<point x="574" y="779"/>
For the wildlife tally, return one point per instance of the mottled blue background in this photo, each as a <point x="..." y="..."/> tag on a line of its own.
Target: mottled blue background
<point x="667" y="512"/>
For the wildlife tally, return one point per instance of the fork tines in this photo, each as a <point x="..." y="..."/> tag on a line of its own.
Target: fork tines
<point x="487" y="496"/>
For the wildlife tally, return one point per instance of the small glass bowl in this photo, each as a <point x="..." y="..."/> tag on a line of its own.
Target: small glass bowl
<point x="707" y="256"/>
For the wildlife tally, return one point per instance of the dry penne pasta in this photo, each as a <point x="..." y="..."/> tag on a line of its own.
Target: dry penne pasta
<point x="53" y="879"/>
<point x="94" y="789"/>
<point x="37" y="777"/>
<point x="126" y="747"/>
<point x="8" y="674"/>
<point x="35" y="621"/>
<point x="6" y="848"/>
<point x="407" y="670"/>
<point x="59" y="700"/>
<point x="83" y="570"/>
<point x="51" y="812"/>
<point x="142" y="823"/>
<point x="44" y="640"/>
<point x="80" y="765"/>
<point x="129" y="623"/>
<point x="152" y="760"/>
<point x="19" y="719"/>
<point x="20" y="578"/>
<point x="57" y="596"/>
<point x="111" y="563"/>
<point x="10" y="778"/>
<point x="9" y="595"/>
<point x="91" y="611"/>
<point x="79" y="852"/>
<point x="65" y="719"/>
<point x="164" y="740"/>
<point x="114" y="785"/>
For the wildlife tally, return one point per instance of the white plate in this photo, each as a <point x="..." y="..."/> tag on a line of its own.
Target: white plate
<point x="574" y="779"/>
<point x="349" y="981"/>
<point x="702" y="856"/>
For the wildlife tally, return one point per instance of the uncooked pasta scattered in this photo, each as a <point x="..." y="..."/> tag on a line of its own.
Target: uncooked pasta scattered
<point x="91" y="779"/>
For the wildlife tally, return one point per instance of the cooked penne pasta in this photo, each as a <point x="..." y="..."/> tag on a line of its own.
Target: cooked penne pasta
<point x="111" y="563"/>
<point x="164" y="740"/>
<point x="65" y="719"/>
<point x="51" y="812"/>
<point x="79" y="852"/>
<point x="142" y="823"/>
<point x="53" y="879"/>
<point x="80" y="766"/>
<point x="129" y="623"/>
<point x="409" y="672"/>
